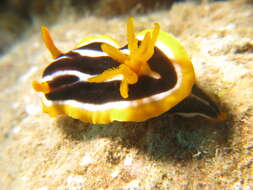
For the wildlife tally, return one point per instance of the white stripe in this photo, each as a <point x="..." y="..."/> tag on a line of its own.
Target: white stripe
<point x="61" y="57"/>
<point x="125" y="51"/>
<point x="95" y="53"/>
<point x="117" y="77"/>
<point x="162" y="46"/>
<point x="165" y="49"/>
<point x="82" y="76"/>
<point x="200" y="99"/>
<point x="192" y="115"/>
<point x="90" y="53"/>
<point x="120" y="104"/>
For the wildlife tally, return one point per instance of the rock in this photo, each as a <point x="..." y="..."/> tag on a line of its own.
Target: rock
<point x="43" y="153"/>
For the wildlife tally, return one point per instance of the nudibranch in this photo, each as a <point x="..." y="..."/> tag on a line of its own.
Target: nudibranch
<point x="101" y="82"/>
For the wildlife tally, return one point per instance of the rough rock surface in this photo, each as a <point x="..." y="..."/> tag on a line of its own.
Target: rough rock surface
<point x="42" y="153"/>
<point x="16" y="16"/>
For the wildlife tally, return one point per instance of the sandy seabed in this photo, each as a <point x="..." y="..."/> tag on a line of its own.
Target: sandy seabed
<point x="42" y="153"/>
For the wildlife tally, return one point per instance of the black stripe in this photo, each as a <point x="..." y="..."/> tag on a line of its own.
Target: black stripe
<point x="85" y="92"/>
<point x="74" y="61"/>
<point x="62" y="81"/>
<point x="85" y="64"/>
<point x="191" y="104"/>
<point x="88" y="65"/>
<point x="198" y="92"/>
<point x="98" y="93"/>
<point x="92" y="46"/>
